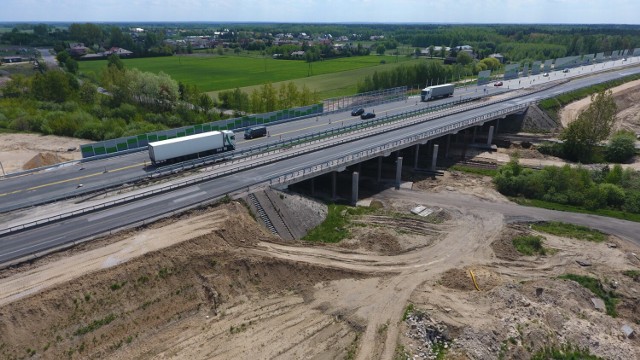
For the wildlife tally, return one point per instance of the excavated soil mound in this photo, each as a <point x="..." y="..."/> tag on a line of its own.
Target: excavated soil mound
<point x="43" y="159"/>
<point x="460" y="279"/>
<point x="381" y="242"/>
<point x="503" y="246"/>
<point x="98" y="313"/>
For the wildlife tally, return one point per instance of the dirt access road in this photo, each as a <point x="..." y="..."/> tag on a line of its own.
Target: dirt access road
<point x="228" y="289"/>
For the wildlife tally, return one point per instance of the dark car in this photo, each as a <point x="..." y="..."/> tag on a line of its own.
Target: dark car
<point x="254" y="132"/>
<point x="367" y="116"/>
<point x="357" y="112"/>
<point x="498" y="83"/>
<point x="565" y="70"/>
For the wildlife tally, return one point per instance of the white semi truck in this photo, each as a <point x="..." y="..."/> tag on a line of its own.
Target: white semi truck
<point x="437" y="91"/>
<point x="203" y="144"/>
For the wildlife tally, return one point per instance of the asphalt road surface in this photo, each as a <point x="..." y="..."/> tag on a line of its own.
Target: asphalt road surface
<point x="63" y="181"/>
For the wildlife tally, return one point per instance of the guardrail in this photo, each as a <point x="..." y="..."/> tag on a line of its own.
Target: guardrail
<point x="374" y="126"/>
<point x="296" y="175"/>
<point x="238" y="154"/>
<point x="332" y="135"/>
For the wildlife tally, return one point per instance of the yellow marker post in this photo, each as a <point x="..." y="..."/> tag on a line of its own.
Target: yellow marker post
<point x="473" y="277"/>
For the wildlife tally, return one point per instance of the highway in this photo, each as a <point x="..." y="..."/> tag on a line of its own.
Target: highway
<point x="59" y="182"/>
<point x="72" y="179"/>
<point x="19" y="245"/>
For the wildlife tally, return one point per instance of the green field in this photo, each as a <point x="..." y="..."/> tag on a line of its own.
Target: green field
<point x="214" y="73"/>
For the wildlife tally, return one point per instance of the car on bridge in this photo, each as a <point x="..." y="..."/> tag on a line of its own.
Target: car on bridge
<point x="498" y="83"/>
<point x="357" y="112"/>
<point x="366" y="116"/>
<point x="565" y="70"/>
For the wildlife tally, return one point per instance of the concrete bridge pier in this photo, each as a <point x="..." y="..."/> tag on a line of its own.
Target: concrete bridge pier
<point x="415" y="158"/>
<point x="379" y="176"/>
<point x="490" y="137"/>
<point x="435" y="157"/>
<point x="473" y="139"/>
<point x="398" y="172"/>
<point x="446" y="149"/>
<point x="465" y="143"/>
<point x="313" y="186"/>
<point x="354" y="187"/>
<point x="334" y="181"/>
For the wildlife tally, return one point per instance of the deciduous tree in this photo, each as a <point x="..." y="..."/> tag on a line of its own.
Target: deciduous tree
<point x="591" y="127"/>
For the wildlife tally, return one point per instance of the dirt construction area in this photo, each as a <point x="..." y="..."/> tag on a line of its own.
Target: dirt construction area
<point x="214" y="284"/>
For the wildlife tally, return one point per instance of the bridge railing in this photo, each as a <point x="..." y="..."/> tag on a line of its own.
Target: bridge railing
<point x="278" y="155"/>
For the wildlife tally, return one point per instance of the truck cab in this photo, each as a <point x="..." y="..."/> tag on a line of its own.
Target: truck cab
<point x="425" y="94"/>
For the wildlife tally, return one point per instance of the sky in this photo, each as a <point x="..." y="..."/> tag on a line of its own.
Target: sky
<point x="326" y="11"/>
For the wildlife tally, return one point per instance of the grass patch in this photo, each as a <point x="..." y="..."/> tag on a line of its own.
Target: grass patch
<point x="439" y="350"/>
<point x="352" y="350"/>
<point x="407" y="311"/>
<point x="400" y="353"/>
<point x="474" y="170"/>
<point x="565" y="352"/>
<point x="336" y="226"/>
<point x="634" y="274"/>
<point x="618" y="214"/>
<point x="215" y="73"/>
<point x="570" y="230"/>
<point x="595" y="286"/>
<point x="529" y="245"/>
<point x="117" y="286"/>
<point x="96" y="324"/>
<point x="8" y="131"/>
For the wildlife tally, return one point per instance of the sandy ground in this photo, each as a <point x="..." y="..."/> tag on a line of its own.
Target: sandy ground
<point x="215" y="285"/>
<point x="17" y="149"/>
<point x="627" y="98"/>
<point x="71" y="267"/>
<point x="223" y="288"/>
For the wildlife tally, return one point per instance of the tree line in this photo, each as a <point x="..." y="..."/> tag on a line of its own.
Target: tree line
<point x="133" y="102"/>
<point x="609" y="188"/>
<point x="267" y="98"/>
<point x="516" y="42"/>
<point x="425" y="74"/>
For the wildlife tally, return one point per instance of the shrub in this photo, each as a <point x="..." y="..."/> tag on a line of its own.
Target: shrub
<point x="553" y="149"/>
<point x="621" y="147"/>
<point x="529" y="245"/>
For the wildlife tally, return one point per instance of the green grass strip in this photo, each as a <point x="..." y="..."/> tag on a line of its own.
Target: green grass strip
<point x="618" y="214"/>
<point x="335" y="227"/>
<point x="565" y="352"/>
<point x="95" y="325"/>
<point x="570" y="230"/>
<point x="474" y="170"/>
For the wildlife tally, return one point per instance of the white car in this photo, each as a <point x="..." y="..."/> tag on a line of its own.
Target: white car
<point x="545" y="74"/>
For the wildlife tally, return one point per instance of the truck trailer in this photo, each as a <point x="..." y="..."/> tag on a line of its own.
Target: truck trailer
<point x="438" y="91"/>
<point x="191" y="146"/>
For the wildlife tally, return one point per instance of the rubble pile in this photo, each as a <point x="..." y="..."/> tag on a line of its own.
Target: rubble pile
<point x="432" y="336"/>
